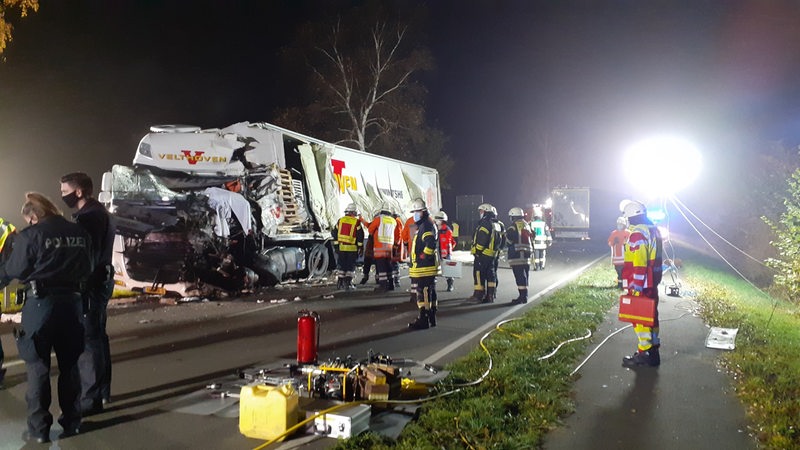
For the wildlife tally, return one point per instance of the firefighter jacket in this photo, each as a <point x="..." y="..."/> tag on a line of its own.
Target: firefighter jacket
<point x="424" y="260"/>
<point x="642" y="267"/>
<point x="617" y="241"/>
<point x="542" y="238"/>
<point x="520" y="243"/>
<point x="397" y="250"/>
<point x="447" y="241"/>
<point x="407" y="234"/>
<point x="349" y="234"/>
<point x="6" y="230"/>
<point x="385" y="235"/>
<point x="489" y="236"/>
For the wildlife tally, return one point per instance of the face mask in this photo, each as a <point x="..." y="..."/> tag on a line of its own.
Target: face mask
<point x="417" y="216"/>
<point x="71" y="199"/>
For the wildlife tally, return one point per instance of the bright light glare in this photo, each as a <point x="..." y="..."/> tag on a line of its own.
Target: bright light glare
<point x="662" y="165"/>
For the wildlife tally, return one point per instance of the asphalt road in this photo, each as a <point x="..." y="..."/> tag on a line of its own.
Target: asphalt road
<point x="162" y="354"/>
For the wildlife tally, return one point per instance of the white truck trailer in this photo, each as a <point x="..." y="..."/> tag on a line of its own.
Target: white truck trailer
<point x="245" y="206"/>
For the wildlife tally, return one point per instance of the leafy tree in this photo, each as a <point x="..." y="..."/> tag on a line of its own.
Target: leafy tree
<point x="363" y="87"/>
<point x="787" y="241"/>
<point x="7" y="7"/>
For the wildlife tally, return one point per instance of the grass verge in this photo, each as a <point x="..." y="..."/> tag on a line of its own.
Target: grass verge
<point x="522" y="398"/>
<point x="765" y="364"/>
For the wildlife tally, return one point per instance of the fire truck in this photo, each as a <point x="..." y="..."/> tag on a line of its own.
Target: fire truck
<point x="245" y="206"/>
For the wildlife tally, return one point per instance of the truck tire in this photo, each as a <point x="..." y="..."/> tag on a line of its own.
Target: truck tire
<point x="318" y="260"/>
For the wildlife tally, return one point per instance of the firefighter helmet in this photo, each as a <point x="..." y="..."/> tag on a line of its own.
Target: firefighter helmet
<point x="351" y="209"/>
<point x="484" y="207"/>
<point x="631" y="208"/>
<point x="418" y="205"/>
<point x="515" y="212"/>
<point x="441" y="215"/>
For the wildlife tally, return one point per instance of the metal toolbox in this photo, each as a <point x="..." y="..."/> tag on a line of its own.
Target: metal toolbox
<point x="344" y="423"/>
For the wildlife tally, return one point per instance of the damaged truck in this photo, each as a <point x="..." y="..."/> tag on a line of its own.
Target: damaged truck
<point x="244" y="207"/>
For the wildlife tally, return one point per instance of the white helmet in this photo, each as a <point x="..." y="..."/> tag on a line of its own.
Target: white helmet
<point x="537" y="212"/>
<point x="351" y="209"/>
<point x="516" y="212"/>
<point x="441" y="215"/>
<point x="484" y="207"/>
<point x="418" y="205"/>
<point x="631" y="208"/>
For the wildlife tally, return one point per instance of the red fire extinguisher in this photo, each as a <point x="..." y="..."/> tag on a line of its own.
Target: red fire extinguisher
<point x="307" y="337"/>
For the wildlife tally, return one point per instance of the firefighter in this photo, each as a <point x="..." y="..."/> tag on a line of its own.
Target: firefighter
<point x="616" y="241"/>
<point x="397" y="255"/>
<point x="385" y="237"/>
<point x="350" y="245"/>
<point x="424" y="266"/>
<point x="95" y="362"/>
<point x="542" y="239"/>
<point x="486" y="244"/>
<point x="520" y="248"/>
<point x="52" y="257"/>
<point x="7" y="232"/>
<point x="641" y="274"/>
<point x="369" y="254"/>
<point x="447" y="241"/>
<point x="408" y="233"/>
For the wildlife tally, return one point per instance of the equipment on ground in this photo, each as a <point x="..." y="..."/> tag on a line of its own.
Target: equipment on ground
<point x="245" y="206"/>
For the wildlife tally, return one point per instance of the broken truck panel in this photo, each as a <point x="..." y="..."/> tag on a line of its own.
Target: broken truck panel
<point x="248" y="205"/>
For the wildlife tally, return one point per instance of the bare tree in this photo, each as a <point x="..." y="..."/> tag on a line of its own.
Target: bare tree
<point x="20" y="7"/>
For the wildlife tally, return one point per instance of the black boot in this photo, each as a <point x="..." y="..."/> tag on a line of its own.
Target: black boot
<point x="642" y="358"/>
<point x="522" y="299"/>
<point x="477" y="296"/>
<point x="490" y="295"/>
<point x="422" y="321"/>
<point x="348" y="284"/>
<point x="432" y="316"/>
<point x="340" y="283"/>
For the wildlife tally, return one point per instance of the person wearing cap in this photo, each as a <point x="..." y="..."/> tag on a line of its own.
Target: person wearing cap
<point x="616" y="241"/>
<point x="7" y="232"/>
<point x="53" y="258"/>
<point x="349" y="238"/>
<point x="641" y="274"/>
<point x="424" y="266"/>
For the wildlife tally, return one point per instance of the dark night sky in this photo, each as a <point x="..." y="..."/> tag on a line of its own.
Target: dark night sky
<point x="84" y="79"/>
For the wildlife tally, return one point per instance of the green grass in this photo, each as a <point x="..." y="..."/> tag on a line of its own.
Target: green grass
<point x="522" y="398"/>
<point x="765" y="365"/>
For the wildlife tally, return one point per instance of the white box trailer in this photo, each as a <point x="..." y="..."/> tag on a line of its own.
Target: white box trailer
<point x="247" y="205"/>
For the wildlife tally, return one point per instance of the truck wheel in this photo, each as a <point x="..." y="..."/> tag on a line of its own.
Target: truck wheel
<point x="318" y="261"/>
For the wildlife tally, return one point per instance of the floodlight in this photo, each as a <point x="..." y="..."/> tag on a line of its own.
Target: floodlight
<point x="662" y="165"/>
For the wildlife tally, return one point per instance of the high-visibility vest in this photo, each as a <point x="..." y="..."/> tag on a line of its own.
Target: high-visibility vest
<point x="542" y="235"/>
<point x="617" y="241"/>
<point x="384" y="233"/>
<point x="5" y="231"/>
<point x="348" y="228"/>
<point x="643" y="252"/>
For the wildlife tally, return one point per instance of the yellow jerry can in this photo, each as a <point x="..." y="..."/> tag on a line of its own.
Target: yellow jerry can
<point x="266" y="412"/>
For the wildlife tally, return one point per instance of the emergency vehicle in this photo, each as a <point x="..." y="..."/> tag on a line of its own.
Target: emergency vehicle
<point x="245" y="206"/>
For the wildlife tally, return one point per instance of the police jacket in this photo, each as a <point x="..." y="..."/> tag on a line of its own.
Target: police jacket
<point x="94" y="218"/>
<point x="55" y="253"/>
<point x="520" y="243"/>
<point x="489" y="236"/>
<point x="424" y="254"/>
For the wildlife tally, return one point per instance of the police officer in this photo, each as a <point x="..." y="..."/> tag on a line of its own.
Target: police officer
<point x="7" y="232"/>
<point x="95" y="362"/>
<point x="486" y="244"/>
<point x="424" y="266"/>
<point x="53" y="258"/>
<point x="350" y="244"/>
<point x="520" y="248"/>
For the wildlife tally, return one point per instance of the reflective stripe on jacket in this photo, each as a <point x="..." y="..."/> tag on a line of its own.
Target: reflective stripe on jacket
<point x="424" y="260"/>
<point x="642" y="266"/>
<point x="385" y="235"/>
<point x="488" y="237"/>
<point x="348" y="238"/>
<point x="520" y="246"/>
